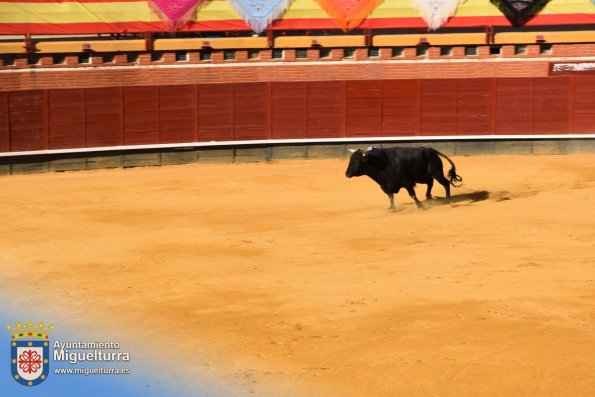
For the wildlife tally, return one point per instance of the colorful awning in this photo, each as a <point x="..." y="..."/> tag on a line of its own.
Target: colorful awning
<point x="436" y="12"/>
<point x="259" y="13"/>
<point x="519" y="8"/>
<point x="176" y="12"/>
<point x="121" y="16"/>
<point x="348" y="13"/>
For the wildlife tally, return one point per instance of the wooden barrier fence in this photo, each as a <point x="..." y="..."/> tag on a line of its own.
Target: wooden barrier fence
<point x="143" y="115"/>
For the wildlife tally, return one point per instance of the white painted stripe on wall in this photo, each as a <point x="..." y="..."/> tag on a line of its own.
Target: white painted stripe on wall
<point x="415" y="138"/>
<point x="184" y="65"/>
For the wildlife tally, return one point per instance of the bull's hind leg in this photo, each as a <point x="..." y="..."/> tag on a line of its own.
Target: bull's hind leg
<point x="391" y="198"/>
<point x="444" y="182"/>
<point x="436" y="170"/>
<point x="430" y="183"/>
<point x="411" y="192"/>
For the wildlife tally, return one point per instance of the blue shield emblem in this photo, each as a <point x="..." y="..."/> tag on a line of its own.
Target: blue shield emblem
<point x="30" y="362"/>
<point x="29" y="356"/>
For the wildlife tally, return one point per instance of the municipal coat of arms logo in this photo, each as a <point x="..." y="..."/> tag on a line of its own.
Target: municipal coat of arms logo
<point x="29" y="352"/>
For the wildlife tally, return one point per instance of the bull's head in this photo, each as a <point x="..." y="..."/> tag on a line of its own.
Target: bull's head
<point x="357" y="163"/>
<point x="361" y="160"/>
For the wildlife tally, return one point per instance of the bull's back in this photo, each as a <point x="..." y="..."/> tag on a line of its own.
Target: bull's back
<point x="411" y="162"/>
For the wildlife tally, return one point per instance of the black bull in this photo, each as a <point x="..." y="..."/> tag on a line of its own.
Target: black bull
<point x="396" y="168"/>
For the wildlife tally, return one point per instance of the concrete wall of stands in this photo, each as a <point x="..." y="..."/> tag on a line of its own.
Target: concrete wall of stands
<point x="254" y="153"/>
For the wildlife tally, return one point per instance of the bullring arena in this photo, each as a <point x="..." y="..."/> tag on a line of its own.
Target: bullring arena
<point x="287" y="279"/>
<point x="173" y="196"/>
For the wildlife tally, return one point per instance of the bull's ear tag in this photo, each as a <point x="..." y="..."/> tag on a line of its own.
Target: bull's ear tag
<point x="370" y="148"/>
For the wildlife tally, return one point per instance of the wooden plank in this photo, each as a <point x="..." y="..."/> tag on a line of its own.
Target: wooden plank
<point x="474" y="106"/>
<point x="250" y="111"/>
<point x="250" y="155"/>
<point x="513" y="147"/>
<point x="66" y="118"/>
<point x="103" y="116"/>
<point x="4" y="168"/>
<point x="141" y="115"/>
<point x="246" y="133"/>
<point x="289" y="152"/>
<point x="399" y="107"/>
<point x="551" y="105"/>
<point x="215" y="112"/>
<point x="326" y="109"/>
<point x="27" y="120"/>
<point x="179" y="157"/>
<point x="141" y="160"/>
<point x="215" y="155"/>
<point x="105" y="161"/>
<point x="4" y="123"/>
<point x="65" y="98"/>
<point x="176" y="113"/>
<point x="217" y="119"/>
<point x="68" y="164"/>
<point x="514" y="103"/>
<point x="102" y="140"/>
<point x="29" y="165"/>
<point x="438" y="107"/>
<point x="326" y="151"/>
<point x="177" y="126"/>
<point x="25" y="101"/>
<point x="66" y="137"/>
<point x="554" y="146"/>
<point x="218" y="134"/>
<point x="474" y="148"/>
<point x="584" y="104"/>
<point x="141" y="138"/>
<point x="195" y="113"/>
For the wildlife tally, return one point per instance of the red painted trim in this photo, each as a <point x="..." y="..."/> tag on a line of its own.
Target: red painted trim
<point x="117" y="27"/>
<point x="283" y="24"/>
<point x="458" y="22"/>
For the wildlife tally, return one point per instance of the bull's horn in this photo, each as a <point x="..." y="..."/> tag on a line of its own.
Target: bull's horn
<point x="352" y="150"/>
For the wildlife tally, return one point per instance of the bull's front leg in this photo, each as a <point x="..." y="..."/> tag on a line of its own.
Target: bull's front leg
<point x="391" y="198"/>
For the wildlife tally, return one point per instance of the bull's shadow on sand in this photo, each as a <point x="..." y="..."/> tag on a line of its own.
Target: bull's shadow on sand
<point x="472" y="197"/>
<point x="466" y="198"/>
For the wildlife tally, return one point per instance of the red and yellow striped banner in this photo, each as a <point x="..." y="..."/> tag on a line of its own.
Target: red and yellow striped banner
<point x="120" y="16"/>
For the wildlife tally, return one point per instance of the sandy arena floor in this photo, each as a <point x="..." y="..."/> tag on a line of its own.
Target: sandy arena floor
<point x="288" y="279"/>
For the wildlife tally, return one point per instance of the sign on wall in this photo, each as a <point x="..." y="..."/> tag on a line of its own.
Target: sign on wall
<point x="563" y="68"/>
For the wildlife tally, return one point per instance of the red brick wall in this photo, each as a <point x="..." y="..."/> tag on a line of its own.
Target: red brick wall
<point x="29" y="79"/>
<point x="167" y="71"/>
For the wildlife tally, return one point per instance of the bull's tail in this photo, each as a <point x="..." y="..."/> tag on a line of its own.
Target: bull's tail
<point x="455" y="180"/>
